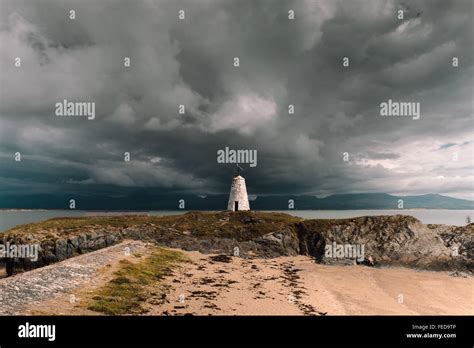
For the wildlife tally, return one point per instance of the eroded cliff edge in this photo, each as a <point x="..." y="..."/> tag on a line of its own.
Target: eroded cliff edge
<point x="390" y="240"/>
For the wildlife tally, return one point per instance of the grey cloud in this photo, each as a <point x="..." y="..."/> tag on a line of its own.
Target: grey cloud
<point x="282" y="62"/>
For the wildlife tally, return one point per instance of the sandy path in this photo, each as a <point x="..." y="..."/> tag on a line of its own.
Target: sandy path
<point x="296" y="285"/>
<point x="57" y="288"/>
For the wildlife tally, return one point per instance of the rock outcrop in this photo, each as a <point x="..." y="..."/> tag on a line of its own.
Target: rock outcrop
<point x="395" y="240"/>
<point x="389" y="240"/>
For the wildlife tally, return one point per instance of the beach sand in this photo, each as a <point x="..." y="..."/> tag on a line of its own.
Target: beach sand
<point x="223" y="285"/>
<point x="297" y="285"/>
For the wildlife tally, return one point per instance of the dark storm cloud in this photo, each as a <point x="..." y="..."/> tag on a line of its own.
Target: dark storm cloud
<point x="282" y="62"/>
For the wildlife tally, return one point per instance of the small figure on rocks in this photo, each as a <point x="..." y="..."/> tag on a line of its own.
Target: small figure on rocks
<point x="368" y="261"/>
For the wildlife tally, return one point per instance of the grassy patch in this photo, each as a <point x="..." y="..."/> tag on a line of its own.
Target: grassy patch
<point x="236" y="225"/>
<point x="72" y="224"/>
<point x="240" y="226"/>
<point x="126" y="293"/>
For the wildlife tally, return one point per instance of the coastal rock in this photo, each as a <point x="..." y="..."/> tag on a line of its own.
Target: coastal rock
<point x="389" y="240"/>
<point x="60" y="251"/>
<point x="395" y="240"/>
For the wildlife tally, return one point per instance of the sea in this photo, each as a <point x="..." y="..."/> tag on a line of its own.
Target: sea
<point x="12" y="218"/>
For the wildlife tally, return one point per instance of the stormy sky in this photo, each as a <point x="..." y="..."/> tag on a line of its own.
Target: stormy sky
<point x="190" y="62"/>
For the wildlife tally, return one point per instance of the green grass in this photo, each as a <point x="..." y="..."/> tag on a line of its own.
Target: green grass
<point x="71" y="224"/>
<point x="126" y="293"/>
<point x="238" y="225"/>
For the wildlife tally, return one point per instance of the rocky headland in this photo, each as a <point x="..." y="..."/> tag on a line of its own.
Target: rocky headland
<point x="388" y="240"/>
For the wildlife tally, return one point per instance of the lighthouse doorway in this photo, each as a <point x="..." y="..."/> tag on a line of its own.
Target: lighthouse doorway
<point x="236" y="206"/>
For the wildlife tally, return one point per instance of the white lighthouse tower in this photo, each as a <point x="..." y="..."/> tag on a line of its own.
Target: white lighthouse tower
<point x="238" y="198"/>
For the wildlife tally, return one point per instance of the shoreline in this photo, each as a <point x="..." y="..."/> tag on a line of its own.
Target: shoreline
<point x="389" y="239"/>
<point x="214" y="285"/>
<point x="457" y="218"/>
<point x="238" y="263"/>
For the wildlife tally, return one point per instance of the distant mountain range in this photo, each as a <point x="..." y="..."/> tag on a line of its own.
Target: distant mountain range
<point x="363" y="201"/>
<point x="148" y="200"/>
